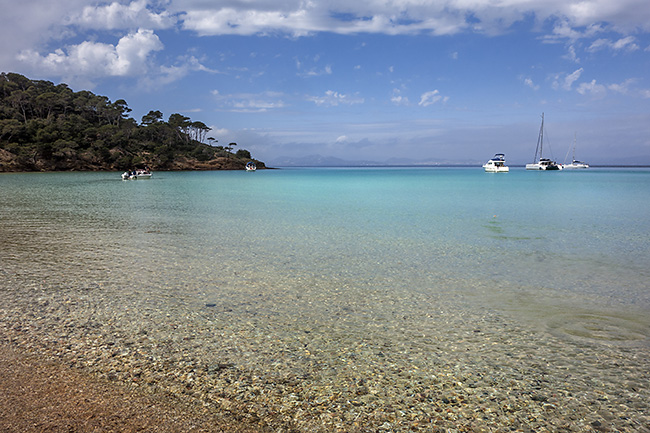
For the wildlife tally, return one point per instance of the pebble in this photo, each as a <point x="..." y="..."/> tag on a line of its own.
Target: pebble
<point x="302" y="373"/>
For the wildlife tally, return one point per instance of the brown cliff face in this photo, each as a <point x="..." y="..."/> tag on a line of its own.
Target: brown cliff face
<point x="219" y="163"/>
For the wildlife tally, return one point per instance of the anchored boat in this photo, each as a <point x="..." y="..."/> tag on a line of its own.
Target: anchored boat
<point x="575" y="163"/>
<point x="540" y="163"/>
<point x="496" y="164"/>
<point x="137" y="174"/>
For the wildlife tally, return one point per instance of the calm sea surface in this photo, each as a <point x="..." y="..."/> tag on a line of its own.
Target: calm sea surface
<point x="249" y="268"/>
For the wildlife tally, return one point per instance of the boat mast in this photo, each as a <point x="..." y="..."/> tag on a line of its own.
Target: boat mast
<point x="574" y="147"/>
<point x="540" y="142"/>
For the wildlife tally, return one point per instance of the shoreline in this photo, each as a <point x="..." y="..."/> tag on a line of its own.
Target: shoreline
<point x="44" y="395"/>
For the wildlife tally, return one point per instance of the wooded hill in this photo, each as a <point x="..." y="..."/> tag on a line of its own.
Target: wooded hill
<point x="48" y="127"/>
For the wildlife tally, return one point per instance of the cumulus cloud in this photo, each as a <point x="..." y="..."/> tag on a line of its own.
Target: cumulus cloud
<point x="45" y="23"/>
<point x="128" y="57"/>
<point x="122" y="16"/>
<point x="300" y="18"/>
<point x="430" y="98"/>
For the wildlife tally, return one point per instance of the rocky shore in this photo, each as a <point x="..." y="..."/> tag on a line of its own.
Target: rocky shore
<point x="10" y="163"/>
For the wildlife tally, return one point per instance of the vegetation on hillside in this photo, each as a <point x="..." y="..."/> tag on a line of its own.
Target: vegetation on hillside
<point x="46" y="127"/>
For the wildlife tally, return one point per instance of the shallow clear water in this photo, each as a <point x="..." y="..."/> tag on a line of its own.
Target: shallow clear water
<point x="302" y="270"/>
<point x="522" y="240"/>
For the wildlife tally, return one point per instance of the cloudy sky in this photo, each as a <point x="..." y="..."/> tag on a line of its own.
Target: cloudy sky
<point x="446" y="80"/>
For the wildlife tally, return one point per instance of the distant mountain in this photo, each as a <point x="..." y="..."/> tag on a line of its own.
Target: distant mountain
<point x="316" y="160"/>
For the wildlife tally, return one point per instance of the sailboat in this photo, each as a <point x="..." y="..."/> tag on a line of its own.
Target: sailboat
<point x="575" y="163"/>
<point x="540" y="163"/>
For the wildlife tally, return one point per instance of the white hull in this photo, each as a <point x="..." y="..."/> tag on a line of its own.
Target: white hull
<point x="497" y="164"/>
<point x="544" y="164"/>
<point x="576" y="165"/>
<point x="139" y="175"/>
<point x="538" y="166"/>
<point x="574" y="162"/>
<point x="495" y="169"/>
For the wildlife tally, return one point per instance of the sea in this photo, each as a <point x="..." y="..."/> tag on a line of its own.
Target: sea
<point x="340" y="277"/>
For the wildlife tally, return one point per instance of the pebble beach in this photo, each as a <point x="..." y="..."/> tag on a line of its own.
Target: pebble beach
<point x="460" y="373"/>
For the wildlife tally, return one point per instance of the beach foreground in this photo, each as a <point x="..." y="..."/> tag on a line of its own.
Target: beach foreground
<point x="38" y="395"/>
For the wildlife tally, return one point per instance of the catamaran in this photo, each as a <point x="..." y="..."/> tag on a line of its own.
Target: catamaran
<point x="540" y="163"/>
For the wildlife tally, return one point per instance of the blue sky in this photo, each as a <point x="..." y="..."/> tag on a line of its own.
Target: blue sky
<point x="426" y="80"/>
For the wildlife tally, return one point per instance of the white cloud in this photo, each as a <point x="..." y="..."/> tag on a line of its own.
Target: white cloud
<point x="429" y="98"/>
<point x="128" y="58"/>
<point x="249" y="102"/>
<point x="332" y="98"/>
<point x="593" y="89"/>
<point x="571" y="78"/>
<point x="622" y="88"/>
<point x="529" y="82"/>
<point x="398" y="99"/>
<point x="327" y="70"/>
<point x="571" y="54"/>
<point x="624" y="44"/>
<point x="314" y="71"/>
<point x="122" y="16"/>
<point x="169" y="74"/>
<point x="299" y="18"/>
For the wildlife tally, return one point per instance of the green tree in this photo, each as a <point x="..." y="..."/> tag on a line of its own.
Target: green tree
<point x="243" y="153"/>
<point x="152" y="117"/>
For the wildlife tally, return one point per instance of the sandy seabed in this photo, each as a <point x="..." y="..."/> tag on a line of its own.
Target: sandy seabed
<point x="74" y="362"/>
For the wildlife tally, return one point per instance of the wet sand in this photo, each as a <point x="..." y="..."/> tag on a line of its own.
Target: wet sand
<point x="44" y="396"/>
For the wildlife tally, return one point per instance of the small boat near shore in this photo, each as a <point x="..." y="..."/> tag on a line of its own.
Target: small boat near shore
<point x="136" y="174"/>
<point x="540" y="163"/>
<point x="250" y="166"/>
<point x="496" y="164"/>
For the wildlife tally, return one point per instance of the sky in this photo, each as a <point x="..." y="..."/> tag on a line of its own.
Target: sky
<point x="447" y="81"/>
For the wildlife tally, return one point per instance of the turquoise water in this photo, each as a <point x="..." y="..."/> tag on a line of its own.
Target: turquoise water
<point x="521" y="242"/>
<point x="351" y="299"/>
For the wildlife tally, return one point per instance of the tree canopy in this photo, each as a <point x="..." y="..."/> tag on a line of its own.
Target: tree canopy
<point x="44" y="126"/>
